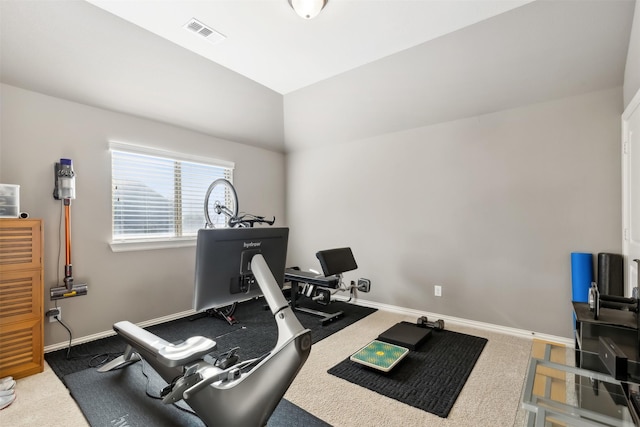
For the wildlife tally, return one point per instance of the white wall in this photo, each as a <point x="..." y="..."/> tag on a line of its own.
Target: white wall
<point x="38" y="130"/>
<point x="489" y="207"/>
<point x="632" y="68"/>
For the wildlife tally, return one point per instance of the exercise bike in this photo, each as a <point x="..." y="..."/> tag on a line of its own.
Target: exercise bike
<point x="226" y="214"/>
<point x="230" y="394"/>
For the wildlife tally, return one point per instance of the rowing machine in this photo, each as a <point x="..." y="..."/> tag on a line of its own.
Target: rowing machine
<point x="224" y="392"/>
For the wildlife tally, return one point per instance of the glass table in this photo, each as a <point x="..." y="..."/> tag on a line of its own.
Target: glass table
<point x="556" y="393"/>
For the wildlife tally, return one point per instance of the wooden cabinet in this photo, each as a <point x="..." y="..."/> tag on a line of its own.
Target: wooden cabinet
<point x="21" y="297"/>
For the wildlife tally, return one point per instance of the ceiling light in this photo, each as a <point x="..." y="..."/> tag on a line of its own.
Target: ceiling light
<point x="308" y="9"/>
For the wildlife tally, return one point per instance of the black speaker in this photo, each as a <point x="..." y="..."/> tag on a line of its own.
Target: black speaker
<point x="610" y="274"/>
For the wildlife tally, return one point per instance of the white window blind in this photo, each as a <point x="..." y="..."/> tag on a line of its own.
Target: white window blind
<point x="158" y="195"/>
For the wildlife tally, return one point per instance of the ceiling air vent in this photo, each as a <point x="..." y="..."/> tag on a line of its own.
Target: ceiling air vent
<point x="202" y="30"/>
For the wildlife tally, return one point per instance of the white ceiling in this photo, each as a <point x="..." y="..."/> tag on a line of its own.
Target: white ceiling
<point x="268" y="43"/>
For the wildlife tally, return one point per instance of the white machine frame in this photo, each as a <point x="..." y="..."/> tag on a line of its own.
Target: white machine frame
<point x="225" y="397"/>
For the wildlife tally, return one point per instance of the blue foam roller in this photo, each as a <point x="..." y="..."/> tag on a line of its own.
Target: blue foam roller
<point x="581" y="275"/>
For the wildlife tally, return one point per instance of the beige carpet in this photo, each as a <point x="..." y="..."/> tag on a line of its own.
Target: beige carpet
<point x="491" y="396"/>
<point x="42" y="400"/>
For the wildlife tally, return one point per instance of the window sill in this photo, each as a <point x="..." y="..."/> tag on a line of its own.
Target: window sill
<point x="148" y="245"/>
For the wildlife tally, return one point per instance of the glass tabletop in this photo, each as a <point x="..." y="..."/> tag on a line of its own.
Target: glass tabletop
<point x="556" y="393"/>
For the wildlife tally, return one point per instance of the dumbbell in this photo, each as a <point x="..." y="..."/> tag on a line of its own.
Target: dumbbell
<point x="423" y="322"/>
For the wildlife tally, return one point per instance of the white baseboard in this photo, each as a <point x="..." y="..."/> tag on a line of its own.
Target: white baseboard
<point x="463" y="322"/>
<point x="99" y="335"/>
<point x="384" y="307"/>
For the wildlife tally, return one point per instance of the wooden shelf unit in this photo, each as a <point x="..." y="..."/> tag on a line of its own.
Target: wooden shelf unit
<point x="21" y="297"/>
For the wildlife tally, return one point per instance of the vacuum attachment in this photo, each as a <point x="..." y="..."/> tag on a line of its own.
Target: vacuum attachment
<point x="62" y="292"/>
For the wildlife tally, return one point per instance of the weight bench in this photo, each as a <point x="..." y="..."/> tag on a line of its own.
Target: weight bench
<point x="334" y="262"/>
<point x="224" y="396"/>
<point x="317" y="289"/>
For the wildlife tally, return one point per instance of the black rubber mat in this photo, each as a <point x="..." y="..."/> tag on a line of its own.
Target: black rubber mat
<point x="255" y="333"/>
<point x="127" y="397"/>
<point x="429" y="378"/>
<point x="123" y="397"/>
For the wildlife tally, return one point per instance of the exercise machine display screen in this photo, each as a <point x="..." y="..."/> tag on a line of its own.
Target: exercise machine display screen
<point x="223" y="263"/>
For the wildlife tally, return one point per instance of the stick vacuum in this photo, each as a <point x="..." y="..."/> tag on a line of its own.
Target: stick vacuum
<point x="65" y="190"/>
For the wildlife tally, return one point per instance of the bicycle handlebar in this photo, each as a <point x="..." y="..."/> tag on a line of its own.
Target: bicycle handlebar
<point x="249" y="220"/>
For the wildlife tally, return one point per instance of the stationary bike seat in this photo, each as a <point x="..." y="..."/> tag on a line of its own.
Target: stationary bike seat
<point x="168" y="354"/>
<point x="188" y="351"/>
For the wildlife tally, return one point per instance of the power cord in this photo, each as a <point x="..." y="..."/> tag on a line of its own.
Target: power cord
<point x="69" y="331"/>
<point x="96" y="359"/>
<point x="343" y="288"/>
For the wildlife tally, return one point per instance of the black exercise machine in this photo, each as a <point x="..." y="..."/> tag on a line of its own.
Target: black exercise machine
<point x="318" y="287"/>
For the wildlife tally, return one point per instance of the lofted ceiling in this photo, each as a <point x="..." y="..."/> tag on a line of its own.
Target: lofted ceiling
<point x="360" y="69"/>
<point x="267" y="42"/>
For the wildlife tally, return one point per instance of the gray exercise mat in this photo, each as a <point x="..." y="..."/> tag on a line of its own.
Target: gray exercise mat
<point x="120" y="398"/>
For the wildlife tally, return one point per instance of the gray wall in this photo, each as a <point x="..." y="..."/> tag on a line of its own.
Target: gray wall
<point x="632" y="69"/>
<point x="37" y="130"/>
<point x="488" y="207"/>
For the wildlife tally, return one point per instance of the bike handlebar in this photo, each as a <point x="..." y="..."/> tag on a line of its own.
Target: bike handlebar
<point x="249" y="220"/>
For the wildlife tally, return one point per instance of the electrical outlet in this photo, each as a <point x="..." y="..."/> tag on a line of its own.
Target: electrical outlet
<point x="437" y="290"/>
<point x="54" y="313"/>
<point x="364" y="285"/>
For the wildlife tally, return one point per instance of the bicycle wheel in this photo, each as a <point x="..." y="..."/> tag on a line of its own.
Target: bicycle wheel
<point x="223" y="204"/>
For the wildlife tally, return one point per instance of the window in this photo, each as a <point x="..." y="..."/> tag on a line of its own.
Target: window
<point x="158" y="196"/>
